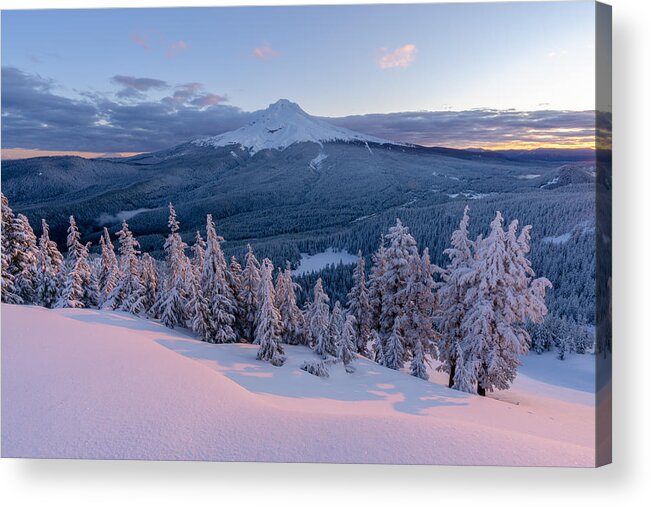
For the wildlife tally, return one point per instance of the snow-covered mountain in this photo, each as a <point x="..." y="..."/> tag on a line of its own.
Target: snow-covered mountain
<point x="282" y="124"/>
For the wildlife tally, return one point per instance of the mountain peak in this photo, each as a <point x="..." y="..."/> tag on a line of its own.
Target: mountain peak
<point x="282" y="124"/>
<point x="285" y="105"/>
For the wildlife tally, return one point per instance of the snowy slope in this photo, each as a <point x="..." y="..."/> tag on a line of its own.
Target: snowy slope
<point x="94" y="384"/>
<point x="282" y="124"/>
<point x="321" y="260"/>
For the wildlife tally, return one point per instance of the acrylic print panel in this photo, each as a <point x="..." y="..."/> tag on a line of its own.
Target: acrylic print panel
<point x="290" y="234"/>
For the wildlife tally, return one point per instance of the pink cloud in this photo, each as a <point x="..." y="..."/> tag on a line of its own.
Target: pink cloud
<point x="139" y="40"/>
<point x="191" y="87"/>
<point x="175" y="48"/>
<point x="400" y="57"/>
<point x="265" y="52"/>
<point x="209" y="99"/>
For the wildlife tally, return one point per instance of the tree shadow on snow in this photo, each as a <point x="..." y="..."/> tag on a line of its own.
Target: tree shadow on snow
<point x="369" y="382"/>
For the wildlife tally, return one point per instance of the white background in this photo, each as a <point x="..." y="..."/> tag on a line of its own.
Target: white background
<point x="626" y="482"/>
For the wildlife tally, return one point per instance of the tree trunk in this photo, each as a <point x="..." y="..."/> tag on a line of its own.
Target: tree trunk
<point x="453" y="369"/>
<point x="480" y="390"/>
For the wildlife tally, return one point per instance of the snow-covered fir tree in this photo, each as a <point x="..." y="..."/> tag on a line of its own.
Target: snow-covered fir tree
<point x="359" y="306"/>
<point x="393" y="348"/>
<point x="216" y="289"/>
<point x="418" y="361"/>
<point x="149" y="282"/>
<point x="91" y="287"/>
<point x="72" y="292"/>
<point x="376" y="283"/>
<point x="25" y="259"/>
<point x="199" y="317"/>
<point x="10" y="266"/>
<point x="465" y="373"/>
<point x="235" y="281"/>
<point x="199" y="310"/>
<point x="198" y="254"/>
<point x="129" y="291"/>
<point x="504" y="296"/>
<point x="335" y="329"/>
<point x="293" y="329"/>
<point x="249" y="294"/>
<point x="80" y="288"/>
<point x="49" y="265"/>
<point x="417" y="316"/>
<point x="9" y="292"/>
<point x="452" y="296"/>
<point x="109" y="270"/>
<point x="268" y="325"/>
<point x="377" y="347"/>
<point x="317" y="320"/>
<point x="346" y="344"/>
<point x="402" y="263"/>
<point x="171" y="305"/>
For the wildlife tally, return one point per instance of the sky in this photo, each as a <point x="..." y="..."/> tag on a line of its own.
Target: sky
<point x="496" y="75"/>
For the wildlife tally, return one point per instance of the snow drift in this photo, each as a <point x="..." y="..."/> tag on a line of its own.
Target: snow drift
<point x="107" y="385"/>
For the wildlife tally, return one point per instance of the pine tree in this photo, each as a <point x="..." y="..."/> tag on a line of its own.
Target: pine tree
<point x="9" y="291"/>
<point x="346" y="344"/>
<point x="49" y="266"/>
<point x="452" y="296"/>
<point x="504" y="296"/>
<point x="268" y="326"/>
<point x="293" y="323"/>
<point x="215" y="287"/>
<point x="318" y="320"/>
<point x="418" y="368"/>
<point x="109" y="270"/>
<point x="249" y="294"/>
<point x="359" y="306"/>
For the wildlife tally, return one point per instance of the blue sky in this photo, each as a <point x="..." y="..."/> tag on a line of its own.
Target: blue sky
<point x="334" y="61"/>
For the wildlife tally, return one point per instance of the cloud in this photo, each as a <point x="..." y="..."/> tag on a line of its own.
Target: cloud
<point x="133" y="87"/>
<point x="139" y="83"/>
<point x="175" y="48"/>
<point x="477" y="128"/>
<point x="139" y="40"/>
<point x="208" y="99"/>
<point x="193" y="94"/>
<point x="159" y="43"/>
<point x="400" y="57"/>
<point x="36" y="116"/>
<point x="265" y="52"/>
